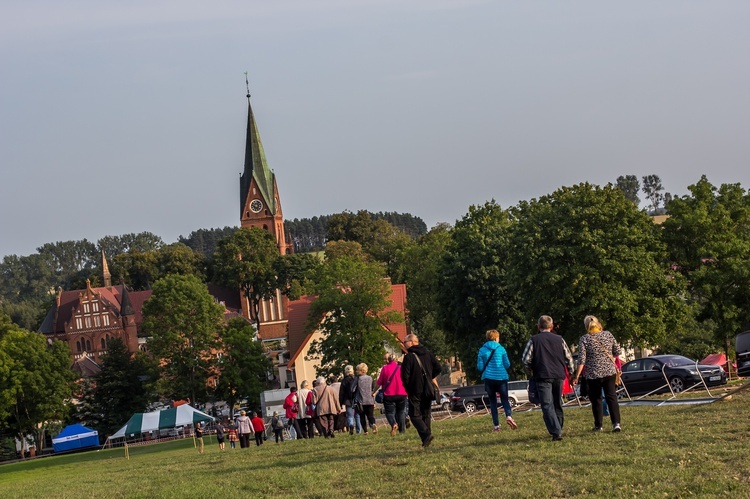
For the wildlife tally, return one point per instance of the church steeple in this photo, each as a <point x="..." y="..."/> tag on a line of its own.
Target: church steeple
<point x="259" y="195"/>
<point x="106" y="276"/>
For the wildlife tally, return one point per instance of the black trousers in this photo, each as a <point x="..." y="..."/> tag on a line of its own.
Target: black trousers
<point x="244" y="440"/>
<point x="420" y="413"/>
<point x="307" y="427"/>
<point x="259" y="437"/>
<point x="610" y="393"/>
<point x="367" y="416"/>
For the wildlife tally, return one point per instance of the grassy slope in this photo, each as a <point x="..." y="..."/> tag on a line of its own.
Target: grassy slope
<point x="676" y="451"/>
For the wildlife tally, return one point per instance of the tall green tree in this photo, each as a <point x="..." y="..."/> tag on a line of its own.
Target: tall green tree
<point x="419" y="268"/>
<point x="652" y="189"/>
<point x="629" y="186"/>
<point x="143" y="242"/>
<point x="183" y="323"/>
<point x="35" y="381"/>
<point x="350" y="312"/>
<point x="708" y="235"/>
<point x="125" y="385"/>
<point x="246" y="261"/>
<point x="474" y="293"/>
<point x="588" y="250"/>
<point x="243" y="367"/>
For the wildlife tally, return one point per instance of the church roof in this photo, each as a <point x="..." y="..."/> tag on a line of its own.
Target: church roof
<point x="126" y="306"/>
<point x="256" y="166"/>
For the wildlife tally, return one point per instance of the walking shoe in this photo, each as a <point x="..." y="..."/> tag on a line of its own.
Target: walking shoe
<point x="497" y="428"/>
<point x="596" y="428"/>
<point x="408" y="423"/>
<point x="511" y="422"/>
<point x="617" y="428"/>
<point x="427" y="442"/>
<point x="394" y="429"/>
<point x="374" y="428"/>
<point x="556" y="438"/>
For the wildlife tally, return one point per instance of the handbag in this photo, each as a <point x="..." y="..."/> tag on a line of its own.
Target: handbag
<point x="618" y="372"/>
<point x="431" y="390"/>
<point x="379" y="397"/>
<point x="533" y="392"/>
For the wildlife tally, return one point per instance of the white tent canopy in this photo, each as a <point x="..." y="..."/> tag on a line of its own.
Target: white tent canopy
<point x="161" y="420"/>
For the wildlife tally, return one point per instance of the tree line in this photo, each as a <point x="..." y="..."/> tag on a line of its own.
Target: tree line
<point x="679" y="287"/>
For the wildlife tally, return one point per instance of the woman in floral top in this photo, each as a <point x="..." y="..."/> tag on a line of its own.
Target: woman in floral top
<point x="596" y="352"/>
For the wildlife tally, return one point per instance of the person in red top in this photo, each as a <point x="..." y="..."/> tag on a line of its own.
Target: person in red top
<point x="291" y="406"/>
<point x="259" y="427"/>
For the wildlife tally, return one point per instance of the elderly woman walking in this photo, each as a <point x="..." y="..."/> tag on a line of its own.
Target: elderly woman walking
<point x="597" y="350"/>
<point x="365" y="389"/>
<point x="327" y="407"/>
<point x="304" y="414"/>
<point x="394" y="394"/>
<point x="347" y="393"/>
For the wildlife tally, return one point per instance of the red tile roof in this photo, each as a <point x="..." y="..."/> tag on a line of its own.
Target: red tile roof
<point x="299" y="310"/>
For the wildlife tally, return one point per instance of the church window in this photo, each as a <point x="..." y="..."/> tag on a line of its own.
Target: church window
<point x="87" y="321"/>
<point x="97" y="321"/>
<point x="105" y="318"/>
<point x="247" y="213"/>
<point x="88" y="345"/>
<point x="86" y="308"/>
<point x="254" y="191"/>
<point x="78" y="346"/>
<point x="79" y="323"/>
<point x="95" y="306"/>
<point x="265" y="227"/>
<point x="103" y="345"/>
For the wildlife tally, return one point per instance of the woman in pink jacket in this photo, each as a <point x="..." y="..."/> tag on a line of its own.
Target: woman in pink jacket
<point x="394" y="394"/>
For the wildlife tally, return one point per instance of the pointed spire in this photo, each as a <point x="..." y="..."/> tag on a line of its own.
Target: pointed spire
<point x="106" y="276"/>
<point x="256" y="166"/>
<point x="126" y="306"/>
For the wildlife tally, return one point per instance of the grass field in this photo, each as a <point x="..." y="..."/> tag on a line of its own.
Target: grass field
<point x="678" y="451"/>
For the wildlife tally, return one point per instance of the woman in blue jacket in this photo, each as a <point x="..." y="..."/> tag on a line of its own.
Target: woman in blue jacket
<point x="493" y="363"/>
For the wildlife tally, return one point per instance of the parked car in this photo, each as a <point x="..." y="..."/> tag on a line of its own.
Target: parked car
<point x="645" y="375"/>
<point x="471" y="398"/>
<point x="742" y="347"/>
<point x="443" y="404"/>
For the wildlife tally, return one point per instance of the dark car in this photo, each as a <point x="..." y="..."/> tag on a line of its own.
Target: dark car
<point x="471" y="398"/>
<point x="742" y="347"/>
<point x="443" y="404"/>
<point x="645" y="375"/>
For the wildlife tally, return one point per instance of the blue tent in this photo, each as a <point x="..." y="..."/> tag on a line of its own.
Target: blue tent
<point x="74" y="437"/>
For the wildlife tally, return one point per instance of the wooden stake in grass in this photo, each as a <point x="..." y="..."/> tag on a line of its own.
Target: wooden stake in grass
<point x="127" y="452"/>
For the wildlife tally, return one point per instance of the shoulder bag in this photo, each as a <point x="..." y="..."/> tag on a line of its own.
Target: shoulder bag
<point x="488" y="362"/>
<point x="430" y="389"/>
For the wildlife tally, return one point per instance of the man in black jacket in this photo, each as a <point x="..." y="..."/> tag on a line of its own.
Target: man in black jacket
<point x="416" y="378"/>
<point x="545" y="358"/>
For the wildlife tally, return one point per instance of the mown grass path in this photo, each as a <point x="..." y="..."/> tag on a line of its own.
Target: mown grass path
<point x="680" y="451"/>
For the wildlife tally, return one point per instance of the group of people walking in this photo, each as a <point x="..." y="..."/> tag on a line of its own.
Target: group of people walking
<point x="548" y="362"/>
<point x="408" y="387"/>
<point x="349" y="404"/>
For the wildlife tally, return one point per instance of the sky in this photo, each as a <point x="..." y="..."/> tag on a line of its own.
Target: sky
<point x="120" y="117"/>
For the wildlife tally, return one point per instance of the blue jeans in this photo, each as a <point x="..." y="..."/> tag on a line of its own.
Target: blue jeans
<point x="550" y="398"/>
<point x="493" y="387"/>
<point x="395" y="411"/>
<point x="352" y="419"/>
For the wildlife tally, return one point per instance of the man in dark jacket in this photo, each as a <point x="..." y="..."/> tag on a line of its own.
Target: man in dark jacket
<point x="545" y="358"/>
<point x="347" y="394"/>
<point x="415" y="378"/>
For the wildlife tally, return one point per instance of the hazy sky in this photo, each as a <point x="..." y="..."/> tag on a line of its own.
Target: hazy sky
<point x="120" y="117"/>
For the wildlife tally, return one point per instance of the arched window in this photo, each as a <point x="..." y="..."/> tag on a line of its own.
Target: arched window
<point x="78" y="346"/>
<point x="265" y="227"/>
<point x="88" y="346"/>
<point x="103" y="345"/>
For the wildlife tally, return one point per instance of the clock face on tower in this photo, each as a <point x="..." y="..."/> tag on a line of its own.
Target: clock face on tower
<point x="256" y="205"/>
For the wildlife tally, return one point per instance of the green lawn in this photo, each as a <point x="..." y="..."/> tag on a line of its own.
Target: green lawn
<point x="678" y="451"/>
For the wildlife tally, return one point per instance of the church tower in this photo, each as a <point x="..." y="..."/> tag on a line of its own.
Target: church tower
<point x="260" y="207"/>
<point x="259" y="196"/>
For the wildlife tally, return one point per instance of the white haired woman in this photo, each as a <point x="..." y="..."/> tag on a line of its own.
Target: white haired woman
<point x="327" y="407"/>
<point x="365" y="389"/>
<point x="597" y="351"/>
<point x="304" y="415"/>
